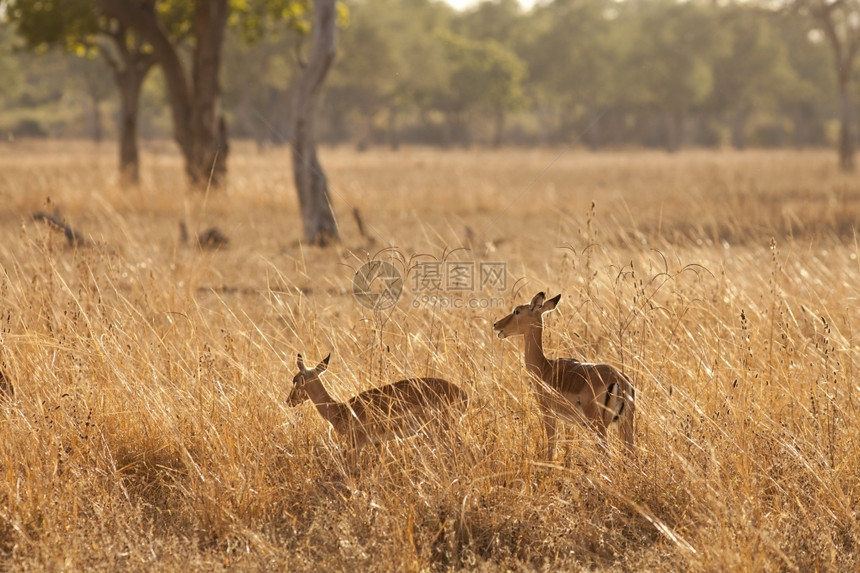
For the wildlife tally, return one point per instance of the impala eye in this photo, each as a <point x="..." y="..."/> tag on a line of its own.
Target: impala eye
<point x="516" y="311"/>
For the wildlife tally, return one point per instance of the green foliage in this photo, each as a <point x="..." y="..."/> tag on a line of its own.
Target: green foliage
<point x="671" y="64"/>
<point x="10" y="68"/>
<point x="389" y="57"/>
<point x="580" y="70"/>
<point x="755" y="70"/>
<point x="482" y="74"/>
<point x="256" y="79"/>
<point x="546" y="72"/>
<point x="70" y="24"/>
<point x="254" y="20"/>
<point x="499" y="20"/>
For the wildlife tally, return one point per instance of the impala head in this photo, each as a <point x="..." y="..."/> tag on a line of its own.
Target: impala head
<point x="525" y="316"/>
<point x="304" y="376"/>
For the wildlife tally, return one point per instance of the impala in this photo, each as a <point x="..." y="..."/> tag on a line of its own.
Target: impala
<point x="397" y="410"/>
<point x="595" y="395"/>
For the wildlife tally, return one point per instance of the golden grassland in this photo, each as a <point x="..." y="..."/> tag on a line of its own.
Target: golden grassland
<point x="148" y="428"/>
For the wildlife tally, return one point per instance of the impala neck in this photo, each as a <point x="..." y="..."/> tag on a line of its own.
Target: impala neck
<point x="536" y="362"/>
<point x="328" y="407"/>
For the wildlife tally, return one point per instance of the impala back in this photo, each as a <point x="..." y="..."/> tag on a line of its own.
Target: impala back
<point x="404" y="408"/>
<point x="581" y="391"/>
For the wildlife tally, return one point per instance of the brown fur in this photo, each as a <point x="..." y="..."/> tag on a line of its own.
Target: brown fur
<point x="595" y="395"/>
<point x="397" y="410"/>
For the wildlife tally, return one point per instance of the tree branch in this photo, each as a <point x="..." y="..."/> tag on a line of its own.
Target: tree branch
<point x="141" y="17"/>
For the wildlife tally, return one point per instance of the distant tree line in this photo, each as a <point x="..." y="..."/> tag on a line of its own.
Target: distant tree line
<point x="601" y="73"/>
<point x="653" y="73"/>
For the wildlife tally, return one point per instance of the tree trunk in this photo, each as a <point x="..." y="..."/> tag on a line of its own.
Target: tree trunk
<point x="393" y="135"/>
<point x="592" y="130"/>
<point x="129" y="76"/>
<point x="130" y="63"/>
<point x="675" y="136"/>
<point x="320" y="227"/>
<point x="844" y="47"/>
<point x="198" y="126"/>
<point x="498" y="126"/>
<point x="846" y="139"/>
<point x="208" y="161"/>
<point x="456" y="131"/>
<point x="96" y="111"/>
<point x="129" y="158"/>
<point x="739" y="128"/>
<point x="365" y="140"/>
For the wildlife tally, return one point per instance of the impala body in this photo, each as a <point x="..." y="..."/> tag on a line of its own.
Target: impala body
<point x="397" y="410"/>
<point x="595" y="395"/>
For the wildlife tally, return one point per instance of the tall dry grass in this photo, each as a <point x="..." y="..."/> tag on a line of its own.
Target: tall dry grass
<point x="148" y="426"/>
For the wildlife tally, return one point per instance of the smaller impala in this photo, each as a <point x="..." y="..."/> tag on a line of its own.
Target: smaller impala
<point x="595" y="395"/>
<point x="398" y="410"/>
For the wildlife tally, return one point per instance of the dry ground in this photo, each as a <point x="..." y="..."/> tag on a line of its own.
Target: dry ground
<point x="148" y="427"/>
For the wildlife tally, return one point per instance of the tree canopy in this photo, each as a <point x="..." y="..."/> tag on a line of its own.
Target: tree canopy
<point x="598" y="72"/>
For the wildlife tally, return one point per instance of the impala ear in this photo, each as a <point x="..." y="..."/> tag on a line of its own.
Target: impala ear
<point x="550" y="304"/>
<point x="537" y="301"/>
<point x="322" y="366"/>
<point x="300" y="362"/>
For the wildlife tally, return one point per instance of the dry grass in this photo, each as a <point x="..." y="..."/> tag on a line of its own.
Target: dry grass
<point x="148" y="426"/>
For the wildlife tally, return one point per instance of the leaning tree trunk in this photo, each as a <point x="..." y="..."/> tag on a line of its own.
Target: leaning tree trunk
<point x="320" y="227"/>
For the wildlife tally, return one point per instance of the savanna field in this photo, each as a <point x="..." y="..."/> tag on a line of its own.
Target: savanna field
<point x="143" y="417"/>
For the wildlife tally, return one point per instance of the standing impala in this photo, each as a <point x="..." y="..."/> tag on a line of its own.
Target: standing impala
<point x="401" y="409"/>
<point x="576" y="392"/>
